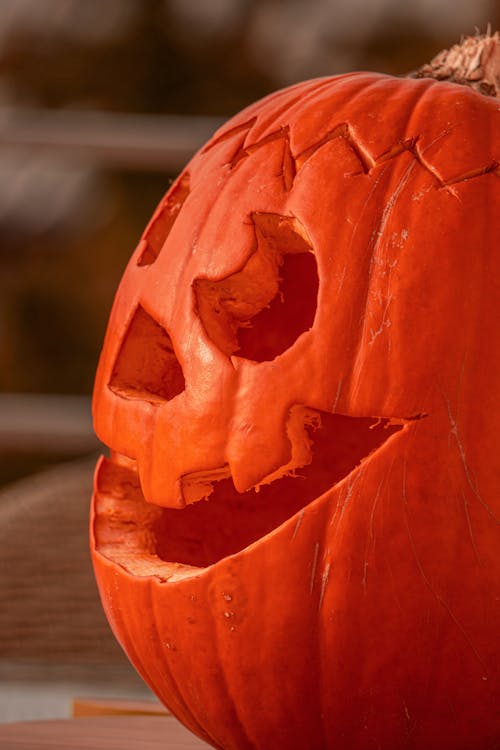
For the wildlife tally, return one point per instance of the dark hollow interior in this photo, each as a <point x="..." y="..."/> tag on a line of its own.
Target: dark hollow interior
<point x="209" y="530"/>
<point x="157" y="233"/>
<point x="259" y="311"/>
<point x="291" y="312"/>
<point x="147" y="366"/>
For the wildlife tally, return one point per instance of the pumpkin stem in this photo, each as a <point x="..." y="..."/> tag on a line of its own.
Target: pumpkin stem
<point x="475" y="62"/>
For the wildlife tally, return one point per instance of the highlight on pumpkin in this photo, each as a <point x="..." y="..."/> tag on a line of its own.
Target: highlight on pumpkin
<point x="147" y="366"/>
<point x="144" y="537"/>
<point x="259" y="311"/>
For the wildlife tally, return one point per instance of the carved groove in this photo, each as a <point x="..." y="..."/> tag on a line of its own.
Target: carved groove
<point x="288" y="168"/>
<point x="246" y="126"/>
<point x="344" y="131"/>
<point x="147" y="367"/>
<point x="411" y="145"/>
<point x="244" y="151"/>
<point x="292" y="164"/>
<point x="162" y="223"/>
<point x="493" y="167"/>
<point x="259" y="312"/>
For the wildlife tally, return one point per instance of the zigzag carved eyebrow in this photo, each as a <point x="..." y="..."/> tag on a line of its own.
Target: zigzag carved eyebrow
<point x="288" y="169"/>
<point x="291" y="164"/>
<point x="411" y="146"/>
<point x="344" y="130"/>
<point x="244" y="127"/>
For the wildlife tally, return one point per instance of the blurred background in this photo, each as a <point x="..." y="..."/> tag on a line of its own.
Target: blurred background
<point x="101" y="103"/>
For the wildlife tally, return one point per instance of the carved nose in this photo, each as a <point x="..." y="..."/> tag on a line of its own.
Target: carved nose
<point x="147" y="366"/>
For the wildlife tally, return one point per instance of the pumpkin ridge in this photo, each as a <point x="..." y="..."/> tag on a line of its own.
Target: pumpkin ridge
<point x="236" y="720"/>
<point x="187" y="713"/>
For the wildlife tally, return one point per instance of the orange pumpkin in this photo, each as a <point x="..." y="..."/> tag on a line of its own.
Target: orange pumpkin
<point x="295" y="535"/>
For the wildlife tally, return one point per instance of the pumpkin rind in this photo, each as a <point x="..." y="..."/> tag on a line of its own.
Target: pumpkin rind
<point x="369" y="618"/>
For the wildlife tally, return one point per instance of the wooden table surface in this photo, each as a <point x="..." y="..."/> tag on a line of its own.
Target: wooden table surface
<point x="100" y="733"/>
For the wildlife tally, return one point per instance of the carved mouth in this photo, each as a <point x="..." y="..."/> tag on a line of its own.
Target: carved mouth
<point x="175" y="543"/>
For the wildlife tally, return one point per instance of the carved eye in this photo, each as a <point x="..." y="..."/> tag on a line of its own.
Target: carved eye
<point x="147" y="366"/>
<point x="260" y="311"/>
<point x="163" y="220"/>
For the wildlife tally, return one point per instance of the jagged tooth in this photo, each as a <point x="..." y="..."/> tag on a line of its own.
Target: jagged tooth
<point x="198" y="485"/>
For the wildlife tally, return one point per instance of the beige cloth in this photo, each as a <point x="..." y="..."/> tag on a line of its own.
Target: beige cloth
<point x="50" y="607"/>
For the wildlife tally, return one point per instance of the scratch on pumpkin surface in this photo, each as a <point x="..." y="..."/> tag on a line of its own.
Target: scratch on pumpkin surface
<point x="365" y="570"/>
<point x="342" y="277"/>
<point x="371" y="535"/>
<point x="324" y="582"/>
<point x="299" y="521"/>
<point x="471" y="481"/>
<point x="314" y="565"/>
<point x="374" y="506"/>
<point x="469" y="526"/>
<point x="337" y="396"/>
<point x="385" y="323"/>
<point x="429" y="585"/>
<point x="376" y="236"/>
<point x="388" y="208"/>
<point x="350" y="489"/>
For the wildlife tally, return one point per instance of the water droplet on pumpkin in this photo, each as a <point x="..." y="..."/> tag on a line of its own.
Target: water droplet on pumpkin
<point x="227" y="597"/>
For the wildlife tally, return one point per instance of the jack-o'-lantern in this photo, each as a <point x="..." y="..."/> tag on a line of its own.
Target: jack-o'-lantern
<point x="295" y="535"/>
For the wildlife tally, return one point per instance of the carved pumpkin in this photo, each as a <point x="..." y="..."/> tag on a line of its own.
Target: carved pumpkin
<point x="295" y="535"/>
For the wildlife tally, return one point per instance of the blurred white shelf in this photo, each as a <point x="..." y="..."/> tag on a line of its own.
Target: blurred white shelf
<point x="40" y="690"/>
<point x="120" y="140"/>
<point x="46" y="423"/>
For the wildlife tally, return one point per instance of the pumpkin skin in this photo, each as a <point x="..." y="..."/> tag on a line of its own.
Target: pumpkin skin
<point x="361" y="609"/>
